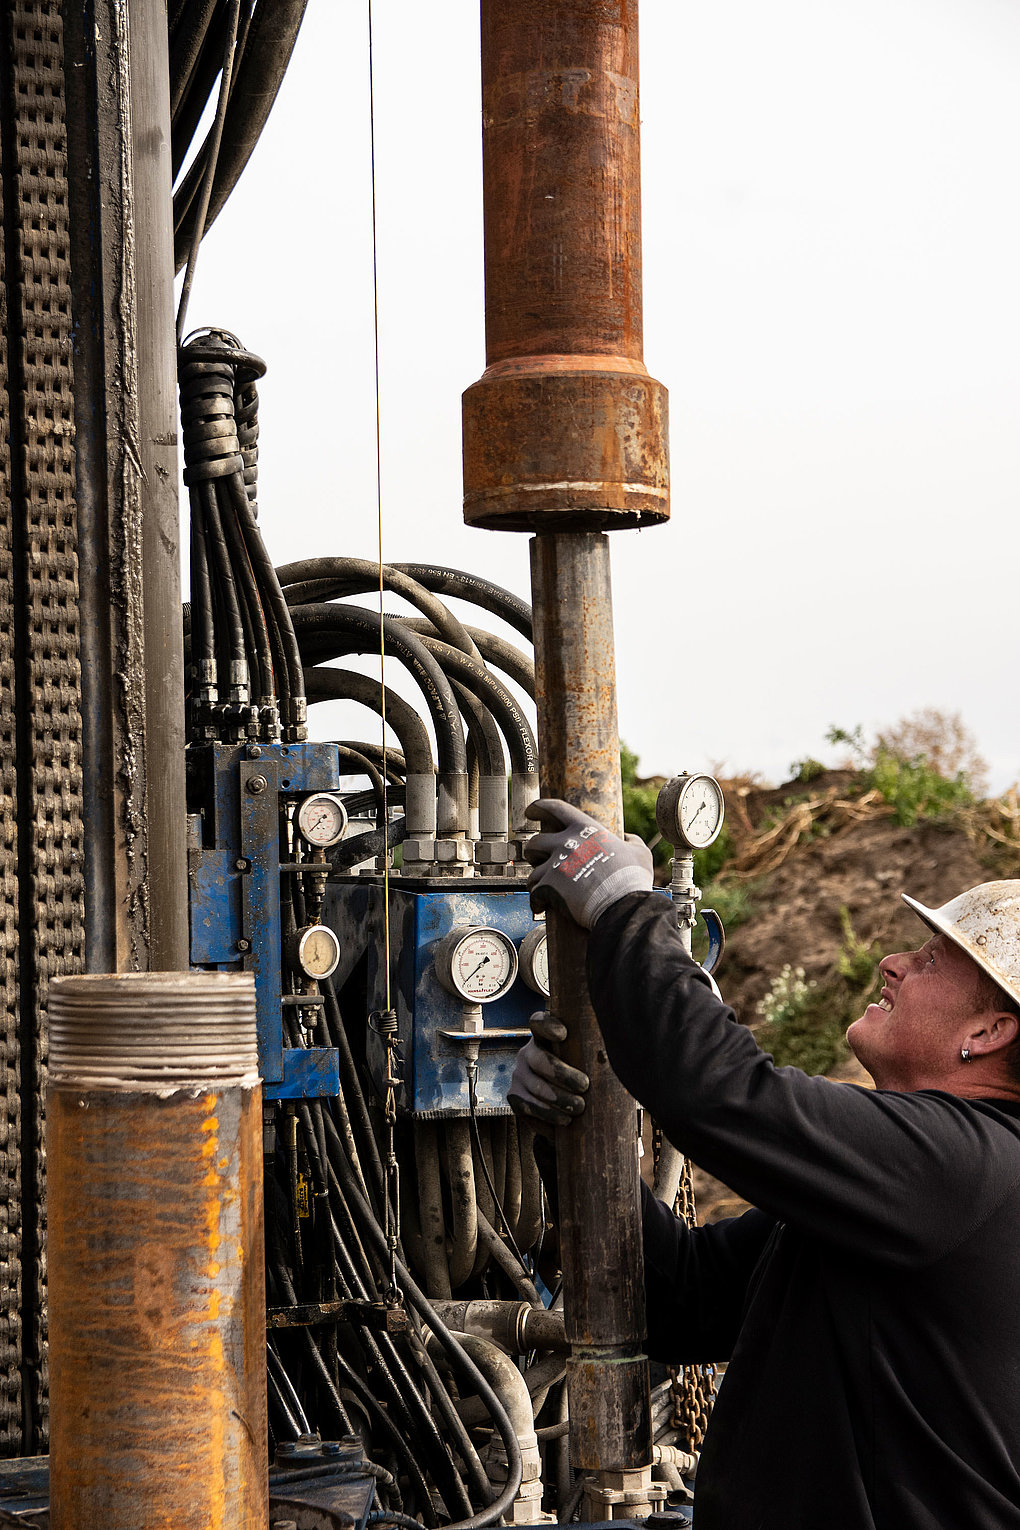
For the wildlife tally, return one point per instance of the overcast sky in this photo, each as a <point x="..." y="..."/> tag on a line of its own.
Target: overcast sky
<point x="832" y="296"/>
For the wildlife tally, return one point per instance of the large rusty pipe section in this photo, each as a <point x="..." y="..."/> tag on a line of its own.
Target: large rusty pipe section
<point x="565" y="434"/>
<point x="156" y="1254"/>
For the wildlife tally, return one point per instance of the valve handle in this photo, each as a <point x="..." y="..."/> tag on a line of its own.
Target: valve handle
<point x="716" y="939"/>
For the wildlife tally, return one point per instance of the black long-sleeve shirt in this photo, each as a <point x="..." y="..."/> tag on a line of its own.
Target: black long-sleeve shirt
<point x="869" y="1306"/>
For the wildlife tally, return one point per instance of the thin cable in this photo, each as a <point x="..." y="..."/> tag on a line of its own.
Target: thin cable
<point x="392" y="1186"/>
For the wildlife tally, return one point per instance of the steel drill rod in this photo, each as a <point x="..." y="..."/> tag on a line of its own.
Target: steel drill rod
<point x="600" y="1229"/>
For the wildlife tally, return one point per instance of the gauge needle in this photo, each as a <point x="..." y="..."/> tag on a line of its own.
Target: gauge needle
<point x="704" y="805"/>
<point x="481" y="964"/>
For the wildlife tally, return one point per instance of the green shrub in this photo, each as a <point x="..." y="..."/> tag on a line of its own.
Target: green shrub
<point x="804" y="1021"/>
<point x="914" y="790"/>
<point x="807" y="770"/>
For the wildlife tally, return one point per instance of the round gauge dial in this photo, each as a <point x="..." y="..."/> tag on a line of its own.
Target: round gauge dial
<point x="477" y="963"/>
<point x="690" y="810"/>
<point x="534" y="957"/>
<point x="322" y="819"/>
<point x="318" y="951"/>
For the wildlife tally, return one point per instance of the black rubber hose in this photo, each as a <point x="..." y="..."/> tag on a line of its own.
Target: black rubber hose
<point x="230" y="626"/>
<point x="362" y="846"/>
<point x="482" y="731"/>
<point x="259" y="74"/>
<point x="395" y="768"/>
<point x="329" y="631"/>
<point x="455" y="1428"/>
<point x="188" y="38"/>
<point x="354" y="1098"/>
<point x="289" y="1397"/>
<point x="323" y="684"/>
<point x="203" y="643"/>
<point x="463" y="1367"/>
<point x="319" y="579"/>
<point x="494" y="650"/>
<point x="261" y="662"/>
<point x="273" y="600"/>
<point x="278" y="1404"/>
<point x="514" y="725"/>
<point x="490" y="597"/>
<point x="365" y="767"/>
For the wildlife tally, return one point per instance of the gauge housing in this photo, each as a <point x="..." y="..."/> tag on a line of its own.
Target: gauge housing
<point x="534" y="960"/>
<point x="690" y="811"/>
<point x="322" y="819"/>
<point x="477" y="963"/>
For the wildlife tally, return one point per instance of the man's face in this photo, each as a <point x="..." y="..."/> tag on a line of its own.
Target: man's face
<point x="912" y="1038"/>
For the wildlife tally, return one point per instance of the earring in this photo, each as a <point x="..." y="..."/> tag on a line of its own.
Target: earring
<point x="965" y="1054"/>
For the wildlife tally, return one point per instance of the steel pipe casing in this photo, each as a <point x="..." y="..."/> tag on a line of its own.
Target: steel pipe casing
<point x="156" y="1254"/>
<point x="565" y="429"/>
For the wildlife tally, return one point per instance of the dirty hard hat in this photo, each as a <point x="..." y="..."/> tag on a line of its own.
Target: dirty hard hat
<point x="984" y="922"/>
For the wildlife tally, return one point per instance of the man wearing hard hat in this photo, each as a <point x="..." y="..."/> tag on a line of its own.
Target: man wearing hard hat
<point x="869" y="1306"/>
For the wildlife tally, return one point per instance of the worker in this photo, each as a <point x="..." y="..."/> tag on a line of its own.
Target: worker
<point x="869" y="1303"/>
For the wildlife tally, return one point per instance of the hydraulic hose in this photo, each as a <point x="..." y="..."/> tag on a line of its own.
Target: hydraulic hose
<point x="465" y="1369"/>
<point x="493" y="649"/>
<point x="324" y="684"/>
<point x="323" y="579"/>
<point x="514" y="725"/>
<point x="258" y="74"/>
<point x="490" y="597"/>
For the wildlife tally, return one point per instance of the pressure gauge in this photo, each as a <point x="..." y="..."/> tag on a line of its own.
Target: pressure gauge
<point x="690" y="811"/>
<point x="476" y="963"/>
<point x="534" y="959"/>
<point x="317" y="951"/>
<point x="322" y="820"/>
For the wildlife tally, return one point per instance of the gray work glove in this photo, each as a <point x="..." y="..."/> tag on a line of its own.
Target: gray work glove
<point x="579" y="865"/>
<point x="543" y="1086"/>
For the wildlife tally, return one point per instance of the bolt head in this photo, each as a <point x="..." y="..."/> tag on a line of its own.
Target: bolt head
<point x="257" y="784"/>
<point x="244" y="944"/>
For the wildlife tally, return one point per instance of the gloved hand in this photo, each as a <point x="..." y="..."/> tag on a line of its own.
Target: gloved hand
<point x="579" y="865"/>
<point x="543" y="1086"/>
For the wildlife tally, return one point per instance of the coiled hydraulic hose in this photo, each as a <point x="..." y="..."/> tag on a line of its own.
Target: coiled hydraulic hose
<point x="325" y="684"/>
<point x="490" y="597"/>
<point x="322" y="579"/>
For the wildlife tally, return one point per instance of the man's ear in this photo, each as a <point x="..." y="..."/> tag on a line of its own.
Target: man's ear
<point x="1000" y="1029"/>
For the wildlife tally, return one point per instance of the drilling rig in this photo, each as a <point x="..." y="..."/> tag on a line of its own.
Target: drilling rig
<point x="274" y="1248"/>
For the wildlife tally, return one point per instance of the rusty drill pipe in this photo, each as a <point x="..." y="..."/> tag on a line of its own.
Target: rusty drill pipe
<point x="600" y="1230"/>
<point x="156" y="1254"/>
<point x="565" y="429"/>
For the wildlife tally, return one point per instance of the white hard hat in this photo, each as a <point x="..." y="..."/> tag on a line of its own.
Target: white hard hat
<point x="984" y="922"/>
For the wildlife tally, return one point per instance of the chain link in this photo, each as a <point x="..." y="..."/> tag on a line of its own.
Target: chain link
<point x="692" y="1387"/>
<point x="384" y="1023"/>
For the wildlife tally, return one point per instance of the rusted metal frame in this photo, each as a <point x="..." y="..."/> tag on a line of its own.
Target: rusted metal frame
<point x="374" y="1315"/>
<point x="125" y="411"/>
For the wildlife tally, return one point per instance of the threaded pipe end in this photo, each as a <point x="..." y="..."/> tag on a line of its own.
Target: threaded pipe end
<point x="156" y="1031"/>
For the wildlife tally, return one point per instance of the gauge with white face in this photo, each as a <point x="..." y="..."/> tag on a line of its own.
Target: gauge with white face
<point x="318" y="951"/>
<point x="690" y="811"/>
<point x="476" y="963"/>
<point x="534" y="958"/>
<point x="322" y="820"/>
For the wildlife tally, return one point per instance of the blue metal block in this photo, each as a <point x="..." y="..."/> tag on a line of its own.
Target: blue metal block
<point x="235" y="889"/>
<point x="309" y="1073"/>
<point x="215" y="893"/>
<point x="434" y="1074"/>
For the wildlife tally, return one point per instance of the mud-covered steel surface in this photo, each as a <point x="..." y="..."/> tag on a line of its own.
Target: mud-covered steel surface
<point x="565" y="428"/>
<point x="157" y="1310"/>
<point x="121" y="275"/>
<point x="603" y="1275"/>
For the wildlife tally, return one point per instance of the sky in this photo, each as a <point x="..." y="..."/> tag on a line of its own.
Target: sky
<point x="831" y="258"/>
